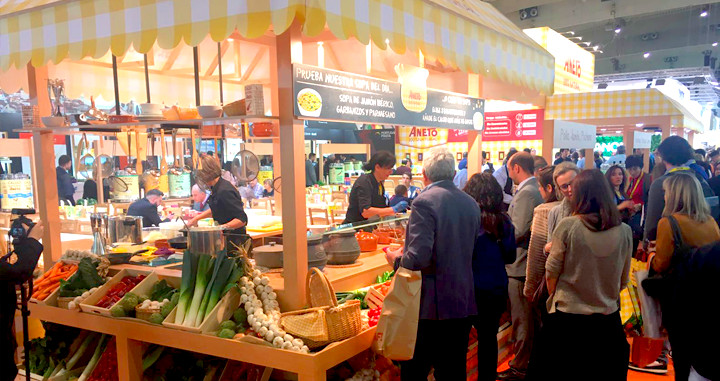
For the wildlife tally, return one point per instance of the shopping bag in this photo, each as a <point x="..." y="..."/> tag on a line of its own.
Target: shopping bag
<point x="651" y="313"/>
<point x="397" y="327"/>
<point x="645" y="350"/>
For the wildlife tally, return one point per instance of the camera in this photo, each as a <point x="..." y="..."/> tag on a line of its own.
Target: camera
<point x="17" y="230"/>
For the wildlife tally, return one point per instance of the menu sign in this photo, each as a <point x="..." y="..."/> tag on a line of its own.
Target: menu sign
<point x="513" y="125"/>
<point x="334" y="95"/>
<point x="574" y="135"/>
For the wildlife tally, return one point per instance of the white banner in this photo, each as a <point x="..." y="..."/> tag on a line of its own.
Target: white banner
<point x="642" y="140"/>
<point x="574" y="135"/>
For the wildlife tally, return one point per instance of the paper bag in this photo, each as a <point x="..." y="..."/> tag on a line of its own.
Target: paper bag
<point x="652" y="315"/>
<point x="646" y="350"/>
<point x="396" y="332"/>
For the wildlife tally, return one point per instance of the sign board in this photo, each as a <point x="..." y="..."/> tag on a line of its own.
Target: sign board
<point x="324" y="94"/>
<point x="422" y="137"/>
<point x="642" y="140"/>
<point x="574" y="66"/>
<point x="574" y="135"/>
<point x="513" y="125"/>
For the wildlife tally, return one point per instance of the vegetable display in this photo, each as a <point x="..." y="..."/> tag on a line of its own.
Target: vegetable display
<point x="205" y="279"/>
<point x="263" y="313"/>
<point x="46" y="352"/>
<point x="163" y="363"/>
<point x="50" y="280"/>
<point x="117" y="291"/>
<point x="107" y="367"/>
<point x="360" y="295"/>
<point x="374" y="316"/>
<point x="95" y="358"/>
<point x="85" y="278"/>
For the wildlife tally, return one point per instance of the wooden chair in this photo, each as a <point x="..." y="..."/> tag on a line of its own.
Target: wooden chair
<point x="271" y="206"/>
<point x="341" y="197"/>
<point x="389" y="185"/>
<point x="418" y="184"/>
<point x="338" y="216"/>
<point x="318" y="216"/>
<point x="260" y="203"/>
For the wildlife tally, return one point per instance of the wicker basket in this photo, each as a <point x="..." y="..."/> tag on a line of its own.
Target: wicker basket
<point x="326" y="322"/>
<point x="236" y="108"/>
<point x="63" y="301"/>
<point x="145" y="313"/>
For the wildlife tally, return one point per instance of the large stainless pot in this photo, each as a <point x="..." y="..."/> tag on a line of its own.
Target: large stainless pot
<point x="124" y="229"/>
<point x="206" y="240"/>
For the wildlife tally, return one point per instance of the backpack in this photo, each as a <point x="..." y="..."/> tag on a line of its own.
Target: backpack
<point x="508" y="182"/>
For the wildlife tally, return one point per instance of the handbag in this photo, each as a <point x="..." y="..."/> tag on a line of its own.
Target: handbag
<point x="660" y="286"/>
<point x="396" y="332"/>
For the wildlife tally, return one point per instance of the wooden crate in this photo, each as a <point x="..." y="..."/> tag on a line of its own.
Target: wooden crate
<point x="222" y="311"/>
<point x="88" y="305"/>
<point x="375" y="298"/>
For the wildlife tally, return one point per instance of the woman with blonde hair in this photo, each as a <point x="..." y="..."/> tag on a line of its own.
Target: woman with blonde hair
<point x="226" y="206"/>
<point x="687" y="217"/>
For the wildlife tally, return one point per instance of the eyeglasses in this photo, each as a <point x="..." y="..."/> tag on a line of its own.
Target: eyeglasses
<point x="565" y="187"/>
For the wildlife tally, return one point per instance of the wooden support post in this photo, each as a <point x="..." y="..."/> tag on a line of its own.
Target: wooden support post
<point x="37" y="89"/>
<point x="548" y="140"/>
<point x="47" y="195"/>
<point x="646" y="159"/>
<point x="275" y="108"/>
<point x="691" y="137"/>
<point x="129" y="354"/>
<point x="474" y="159"/>
<point x="289" y="51"/>
<point x="666" y="129"/>
<point x="629" y="139"/>
<point x="589" y="158"/>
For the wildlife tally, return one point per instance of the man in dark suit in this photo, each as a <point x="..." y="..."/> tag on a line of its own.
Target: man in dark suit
<point x="64" y="180"/>
<point x="527" y="196"/>
<point x="439" y="242"/>
<point x="310" y="173"/>
<point x="147" y="208"/>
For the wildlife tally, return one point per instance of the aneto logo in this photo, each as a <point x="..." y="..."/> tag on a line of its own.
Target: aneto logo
<point x="573" y="67"/>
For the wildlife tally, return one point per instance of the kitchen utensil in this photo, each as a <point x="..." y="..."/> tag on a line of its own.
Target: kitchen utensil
<point x="96" y="224"/>
<point x="178" y="243"/>
<point x="342" y="248"/>
<point x="270" y="256"/>
<point x="245" y="166"/>
<point x="206" y="240"/>
<point x="367" y="241"/>
<point x="125" y="229"/>
<point x="316" y="252"/>
<point x="210" y="111"/>
<point x="53" y="121"/>
<point x="262" y="129"/>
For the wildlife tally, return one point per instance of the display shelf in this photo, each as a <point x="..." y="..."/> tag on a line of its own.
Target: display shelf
<point x="129" y="334"/>
<point x="112" y="127"/>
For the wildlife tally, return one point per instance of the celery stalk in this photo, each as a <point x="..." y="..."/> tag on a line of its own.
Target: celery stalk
<point x="203" y="277"/>
<point x="189" y="272"/>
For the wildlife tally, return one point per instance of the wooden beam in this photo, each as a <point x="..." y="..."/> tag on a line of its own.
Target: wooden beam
<point x="47" y="190"/>
<point x="236" y="57"/>
<point x="174" y="54"/>
<point x="214" y="63"/>
<point x="37" y="88"/>
<point x="333" y="56"/>
<point x="292" y="145"/>
<point x="253" y="64"/>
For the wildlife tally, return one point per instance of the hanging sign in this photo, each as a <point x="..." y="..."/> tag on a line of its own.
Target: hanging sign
<point x="325" y="94"/>
<point x="574" y="66"/>
<point x="574" y="135"/>
<point x="642" y="140"/>
<point x="513" y="125"/>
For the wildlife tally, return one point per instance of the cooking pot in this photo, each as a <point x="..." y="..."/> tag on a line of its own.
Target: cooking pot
<point x="367" y="241"/>
<point x="316" y="252"/>
<point x="342" y="248"/>
<point x="124" y="229"/>
<point x="206" y="240"/>
<point x="178" y="243"/>
<point x="270" y="256"/>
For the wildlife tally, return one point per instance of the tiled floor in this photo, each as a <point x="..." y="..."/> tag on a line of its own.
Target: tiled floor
<point x="634" y="376"/>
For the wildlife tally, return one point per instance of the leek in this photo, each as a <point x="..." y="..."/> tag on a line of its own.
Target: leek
<point x="87" y="339"/>
<point x="205" y="263"/>
<point x="189" y="270"/>
<point x="95" y="358"/>
<point x="206" y="297"/>
<point x="234" y="277"/>
<point x="224" y="272"/>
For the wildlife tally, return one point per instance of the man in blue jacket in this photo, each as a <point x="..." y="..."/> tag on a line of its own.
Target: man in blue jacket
<point x="440" y="240"/>
<point x="64" y="180"/>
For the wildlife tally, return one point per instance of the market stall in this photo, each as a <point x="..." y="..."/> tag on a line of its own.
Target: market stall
<point x="462" y="64"/>
<point x="621" y="112"/>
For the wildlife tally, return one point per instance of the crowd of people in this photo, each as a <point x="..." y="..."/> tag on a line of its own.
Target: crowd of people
<point x="556" y="241"/>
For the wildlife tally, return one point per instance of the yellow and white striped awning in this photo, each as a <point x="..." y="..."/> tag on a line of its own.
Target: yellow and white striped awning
<point x="620" y="104"/>
<point x="469" y="35"/>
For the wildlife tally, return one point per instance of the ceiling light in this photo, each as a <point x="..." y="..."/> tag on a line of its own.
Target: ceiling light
<point x="586" y="43"/>
<point x="230" y="40"/>
<point x="600" y="51"/>
<point x="595" y="48"/>
<point x="603" y="129"/>
<point x="387" y="41"/>
<point x="646" y="54"/>
<point x="569" y="32"/>
<point x="715" y="44"/>
<point x="618" y="30"/>
<point x="639" y="124"/>
<point x="704" y="13"/>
